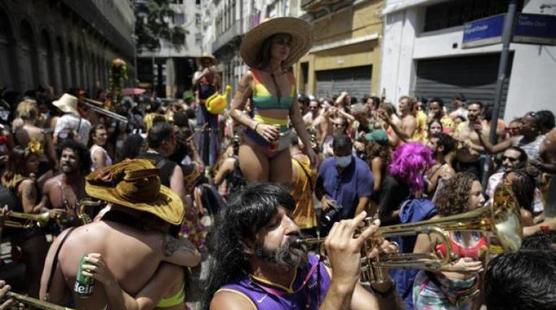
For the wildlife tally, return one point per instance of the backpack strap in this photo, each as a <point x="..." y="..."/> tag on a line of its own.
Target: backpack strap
<point x="55" y="261"/>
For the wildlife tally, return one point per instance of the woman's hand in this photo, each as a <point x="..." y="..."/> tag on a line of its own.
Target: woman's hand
<point x="96" y="268"/>
<point x="465" y="265"/>
<point x="269" y="132"/>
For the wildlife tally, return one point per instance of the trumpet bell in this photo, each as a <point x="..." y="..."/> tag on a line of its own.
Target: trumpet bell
<point x="506" y="219"/>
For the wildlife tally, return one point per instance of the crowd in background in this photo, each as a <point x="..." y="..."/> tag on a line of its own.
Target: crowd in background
<point x="401" y="162"/>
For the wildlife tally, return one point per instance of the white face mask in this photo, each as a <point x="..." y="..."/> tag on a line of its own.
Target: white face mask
<point x="343" y="161"/>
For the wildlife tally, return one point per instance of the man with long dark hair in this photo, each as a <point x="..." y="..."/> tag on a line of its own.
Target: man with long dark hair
<point x="258" y="261"/>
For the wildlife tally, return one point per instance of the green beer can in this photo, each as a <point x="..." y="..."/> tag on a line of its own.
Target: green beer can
<point x="84" y="285"/>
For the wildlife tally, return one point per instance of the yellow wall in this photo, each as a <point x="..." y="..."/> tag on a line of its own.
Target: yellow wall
<point x="351" y="23"/>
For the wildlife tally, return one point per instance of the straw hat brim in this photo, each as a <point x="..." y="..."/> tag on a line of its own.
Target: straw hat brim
<point x="167" y="207"/>
<point x="298" y="29"/>
<point x="64" y="107"/>
<point x="207" y="57"/>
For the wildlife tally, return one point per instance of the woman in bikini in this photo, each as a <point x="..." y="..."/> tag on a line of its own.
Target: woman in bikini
<point x="455" y="286"/>
<point x="269" y="50"/>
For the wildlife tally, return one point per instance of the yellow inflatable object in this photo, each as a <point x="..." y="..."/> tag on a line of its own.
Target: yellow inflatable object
<point x="217" y="103"/>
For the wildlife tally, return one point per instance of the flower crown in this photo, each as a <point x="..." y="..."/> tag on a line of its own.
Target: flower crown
<point x="34" y="147"/>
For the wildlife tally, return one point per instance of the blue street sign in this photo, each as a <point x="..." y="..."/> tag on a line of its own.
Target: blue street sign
<point x="529" y="28"/>
<point x="484" y="31"/>
<point x="535" y="29"/>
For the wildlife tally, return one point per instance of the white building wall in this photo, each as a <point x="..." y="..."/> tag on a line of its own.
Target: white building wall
<point x="191" y="48"/>
<point x="532" y="81"/>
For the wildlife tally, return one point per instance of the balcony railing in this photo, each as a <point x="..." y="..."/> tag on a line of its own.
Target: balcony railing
<point x="316" y="5"/>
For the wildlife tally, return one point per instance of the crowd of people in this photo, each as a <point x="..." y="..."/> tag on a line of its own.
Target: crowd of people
<point x="137" y="205"/>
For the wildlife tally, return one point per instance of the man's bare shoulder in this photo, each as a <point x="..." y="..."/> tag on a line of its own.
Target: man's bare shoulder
<point x="226" y="299"/>
<point x="48" y="184"/>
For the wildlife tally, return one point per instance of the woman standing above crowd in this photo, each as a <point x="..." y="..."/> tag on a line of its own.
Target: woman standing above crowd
<point x="269" y="50"/>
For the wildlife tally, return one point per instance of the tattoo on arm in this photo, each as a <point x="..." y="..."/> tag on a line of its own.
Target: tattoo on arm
<point x="29" y="193"/>
<point x="171" y="245"/>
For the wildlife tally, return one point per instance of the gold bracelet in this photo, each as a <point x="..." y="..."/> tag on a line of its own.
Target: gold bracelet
<point x="255" y="127"/>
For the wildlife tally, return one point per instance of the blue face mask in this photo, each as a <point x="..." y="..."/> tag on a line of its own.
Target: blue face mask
<point x="343" y="161"/>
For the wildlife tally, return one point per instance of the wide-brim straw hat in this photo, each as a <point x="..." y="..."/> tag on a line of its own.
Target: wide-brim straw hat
<point x="135" y="184"/>
<point x="300" y="31"/>
<point x="207" y="56"/>
<point x="67" y="103"/>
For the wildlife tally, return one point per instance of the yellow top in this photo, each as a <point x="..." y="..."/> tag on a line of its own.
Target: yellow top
<point x="302" y="191"/>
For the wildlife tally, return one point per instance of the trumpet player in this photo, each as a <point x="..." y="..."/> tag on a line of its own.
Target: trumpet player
<point x="21" y="186"/>
<point x="258" y="262"/>
<point x="62" y="193"/>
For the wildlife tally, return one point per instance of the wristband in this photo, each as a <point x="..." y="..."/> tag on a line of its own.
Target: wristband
<point x="389" y="292"/>
<point x="255" y="127"/>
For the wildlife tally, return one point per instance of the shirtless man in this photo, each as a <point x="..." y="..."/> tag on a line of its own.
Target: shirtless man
<point x="138" y="266"/>
<point x="469" y="149"/>
<point x="408" y="121"/>
<point x="64" y="191"/>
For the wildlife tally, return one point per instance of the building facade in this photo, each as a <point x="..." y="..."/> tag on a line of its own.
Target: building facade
<point x="346" y="50"/>
<point x="63" y="43"/>
<point x="423" y="55"/>
<point x="169" y="69"/>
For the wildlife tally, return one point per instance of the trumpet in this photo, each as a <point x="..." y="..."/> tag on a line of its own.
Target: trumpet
<point x="501" y="220"/>
<point x="41" y="220"/>
<point x="35" y="303"/>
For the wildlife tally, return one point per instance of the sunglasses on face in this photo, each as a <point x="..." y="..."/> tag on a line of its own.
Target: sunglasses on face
<point x="337" y="125"/>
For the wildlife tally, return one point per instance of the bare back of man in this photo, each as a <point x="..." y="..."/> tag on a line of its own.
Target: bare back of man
<point x="133" y="256"/>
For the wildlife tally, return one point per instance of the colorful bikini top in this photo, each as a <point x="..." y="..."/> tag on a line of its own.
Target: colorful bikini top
<point x="459" y="250"/>
<point x="263" y="100"/>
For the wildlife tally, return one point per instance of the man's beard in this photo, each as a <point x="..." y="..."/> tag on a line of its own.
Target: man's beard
<point x="292" y="254"/>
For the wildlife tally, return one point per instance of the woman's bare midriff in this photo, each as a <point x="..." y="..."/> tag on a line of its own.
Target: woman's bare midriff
<point x="274" y="113"/>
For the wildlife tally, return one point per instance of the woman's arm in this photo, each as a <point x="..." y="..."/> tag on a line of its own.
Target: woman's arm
<point x="376" y="168"/>
<point x="28" y="193"/>
<point x="238" y="102"/>
<point x="180" y="252"/>
<point x="226" y="167"/>
<point x="99" y="158"/>
<point x="489" y="147"/>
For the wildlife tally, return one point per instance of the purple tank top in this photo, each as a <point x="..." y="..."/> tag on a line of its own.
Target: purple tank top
<point x="307" y="294"/>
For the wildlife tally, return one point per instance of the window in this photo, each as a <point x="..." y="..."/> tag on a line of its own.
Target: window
<point x="198" y="19"/>
<point x="179" y="19"/>
<point x="458" y="12"/>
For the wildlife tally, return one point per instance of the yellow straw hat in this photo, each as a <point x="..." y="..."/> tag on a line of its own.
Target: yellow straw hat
<point x="299" y="30"/>
<point x="206" y="56"/>
<point x="135" y="184"/>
